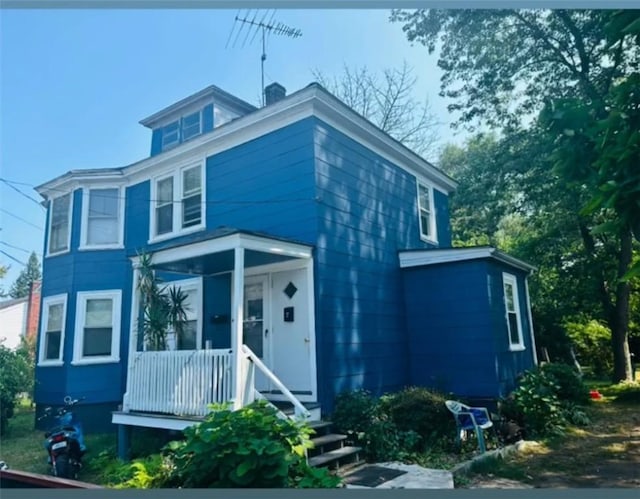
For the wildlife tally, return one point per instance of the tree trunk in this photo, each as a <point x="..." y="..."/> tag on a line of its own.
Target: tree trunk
<point x="620" y="322"/>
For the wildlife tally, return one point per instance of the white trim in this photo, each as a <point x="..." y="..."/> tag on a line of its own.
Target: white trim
<point x="46" y="303"/>
<point x="69" y="224"/>
<point x="229" y="242"/>
<point x="84" y="225"/>
<point x="434" y="256"/>
<point x="272" y="268"/>
<point x="513" y="281"/>
<point x="133" y="330"/>
<point x="237" y="317"/>
<point x="166" y="423"/>
<point x="81" y="300"/>
<point x="533" y="338"/>
<point x="176" y="173"/>
<point x="311" y="293"/>
<point x="311" y="101"/>
<point x="433" y="236"/>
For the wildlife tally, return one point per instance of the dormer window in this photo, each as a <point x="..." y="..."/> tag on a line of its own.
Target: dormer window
<point x="170" y="135"/>
<point x="191" y="125"/>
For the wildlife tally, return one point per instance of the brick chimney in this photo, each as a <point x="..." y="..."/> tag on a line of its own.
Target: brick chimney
<point x="273" y="93"/>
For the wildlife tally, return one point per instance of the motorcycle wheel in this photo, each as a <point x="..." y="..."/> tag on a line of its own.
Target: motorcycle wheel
<point x="62" y="468"/>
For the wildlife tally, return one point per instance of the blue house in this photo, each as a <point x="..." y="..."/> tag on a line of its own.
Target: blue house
<point x="316" y="254"/>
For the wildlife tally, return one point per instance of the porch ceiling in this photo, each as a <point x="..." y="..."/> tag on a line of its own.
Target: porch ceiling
<point x="215" y="263"/>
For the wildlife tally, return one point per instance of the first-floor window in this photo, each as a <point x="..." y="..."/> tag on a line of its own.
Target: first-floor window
<point x="512" y="308"/>
<point x="97" y="326"/>
<point x="52" y="331"/>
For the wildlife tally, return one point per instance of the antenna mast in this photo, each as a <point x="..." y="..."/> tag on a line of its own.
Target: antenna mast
<point x="265" y="28"/>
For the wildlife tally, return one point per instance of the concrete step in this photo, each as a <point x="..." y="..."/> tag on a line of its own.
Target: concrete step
<point x="336" y="458"/>
<point x="328" y="439"/>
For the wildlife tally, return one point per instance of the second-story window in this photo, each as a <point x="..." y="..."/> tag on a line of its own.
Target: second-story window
<point x="426" y="212"/>
<point x="60" y="224"/>
<point x="102" y="223"/>
<point x="191" y="126"/>
<point x="178" y="201"/>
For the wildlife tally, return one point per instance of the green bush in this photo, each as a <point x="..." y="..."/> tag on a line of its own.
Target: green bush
<point x="251" y="447"/>
<point x="571" y="387"/>
<point x="538" y="404"/>
<point x="15" y="377"/>
<point x="364" y="420"/>
<point x="422" y="411"/>
<point x="592" y="341"/>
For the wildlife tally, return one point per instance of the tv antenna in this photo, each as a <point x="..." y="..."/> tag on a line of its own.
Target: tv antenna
<point x="264" y="27"/>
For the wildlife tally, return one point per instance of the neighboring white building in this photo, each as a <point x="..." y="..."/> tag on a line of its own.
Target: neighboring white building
<point x="13" y="321"/>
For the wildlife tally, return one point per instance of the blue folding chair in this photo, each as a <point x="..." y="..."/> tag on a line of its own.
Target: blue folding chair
<point x="467" y="418"/>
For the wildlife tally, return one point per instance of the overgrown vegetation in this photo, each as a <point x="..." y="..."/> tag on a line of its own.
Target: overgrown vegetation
<point x="403" y="425"/>
<point x="546" y="400"/>
<point x="16" y="377"/>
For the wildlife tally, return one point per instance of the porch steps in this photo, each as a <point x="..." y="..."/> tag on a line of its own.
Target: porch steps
<point x="330" y="450"/>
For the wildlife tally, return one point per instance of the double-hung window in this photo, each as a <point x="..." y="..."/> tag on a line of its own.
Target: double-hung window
<point x="52" y="330"/>
<point x="426" y="213"/>
<point x="97" y="333"/>
<point x="512" y="310"/>
<point x="178" y="205"/>
<point x="170" y="135"/>
<point x="191" y="126"/>
<point x="59" y="226"/>
<point x="102" y="224"/>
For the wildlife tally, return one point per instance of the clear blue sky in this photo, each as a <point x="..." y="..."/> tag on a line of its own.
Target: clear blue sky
<point x="74" y="84"/>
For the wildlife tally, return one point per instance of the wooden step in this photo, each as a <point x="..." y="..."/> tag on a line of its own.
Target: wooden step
<point x="319" y="425"/>
<point x="328" y="439"/>
<point x="334" y="456"/>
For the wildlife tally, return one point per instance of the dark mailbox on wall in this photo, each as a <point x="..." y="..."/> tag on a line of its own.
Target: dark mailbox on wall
<point x="288" y="314"/>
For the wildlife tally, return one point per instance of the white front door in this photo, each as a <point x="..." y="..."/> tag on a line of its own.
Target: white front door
<point x="256" y="323"/>
<point x="291" y="337"/>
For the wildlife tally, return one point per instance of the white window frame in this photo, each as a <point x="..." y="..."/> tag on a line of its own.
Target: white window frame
<point x="84" y="227"/>
<point x="46" y="303"/>
<point x="177" y="229"/>
<point x="513" y="281"/>
<point x="182" y="127"/>
<point x="174" y="143"/>
<point x="69" y="225"/>
<point x="433" y="237"/>
<point x="188" y="285"/>
<point x="116" y="315"/>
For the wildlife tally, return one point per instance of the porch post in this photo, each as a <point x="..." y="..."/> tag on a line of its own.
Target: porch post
<point x="236" y="332"/>
<point x="133" y="334"/>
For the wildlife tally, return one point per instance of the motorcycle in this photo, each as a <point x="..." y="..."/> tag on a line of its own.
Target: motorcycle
<point x="64" y="441"/>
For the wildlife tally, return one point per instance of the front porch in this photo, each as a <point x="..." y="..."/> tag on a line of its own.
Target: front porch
<point x="251" y="294"/>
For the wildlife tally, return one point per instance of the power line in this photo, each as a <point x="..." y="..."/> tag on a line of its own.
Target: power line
<point x="13" y="258"/>
<point x="16" y="247"/>
<point x="8" y="184"/>
<point x="20" y="218"/>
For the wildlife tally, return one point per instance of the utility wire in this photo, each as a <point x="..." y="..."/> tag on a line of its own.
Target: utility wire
<point x="16" y="247"/>
<point x="20" y="218"/>
<point x="8" y="184"/>
<point x="13" y="258"/>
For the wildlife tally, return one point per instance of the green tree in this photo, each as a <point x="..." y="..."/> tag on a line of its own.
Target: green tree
<point x="504" y="67"/>
<point x="3" y="273"/>
<point x="22" y="285"/>
<point x="15" y="378"/>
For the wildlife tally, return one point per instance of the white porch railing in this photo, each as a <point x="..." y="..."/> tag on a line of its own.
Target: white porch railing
<point x="181" y="382"/>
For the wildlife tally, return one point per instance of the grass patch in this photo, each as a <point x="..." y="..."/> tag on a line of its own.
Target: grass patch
<point x="497" y="466"/>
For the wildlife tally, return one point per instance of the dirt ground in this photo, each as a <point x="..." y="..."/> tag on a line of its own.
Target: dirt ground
<point x="606" y="454"/>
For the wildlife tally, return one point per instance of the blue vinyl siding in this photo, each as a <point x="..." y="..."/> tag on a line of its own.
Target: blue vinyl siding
<point x="451" y="328"/>
<point x="207" y="118"/>
<point x="156" y="141"/>
<point x="367" y="211"/>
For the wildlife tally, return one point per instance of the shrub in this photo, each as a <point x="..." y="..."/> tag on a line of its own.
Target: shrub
<point x="251" y="447"/>
<point x="423" y="412"/>
<point x="15" y="377"/>
<point x="592" y="341"/>
<point x="571" y="387"/>
<point x="539" y="407"/>
<point x="364" y="420"/>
